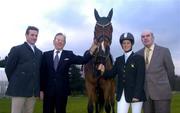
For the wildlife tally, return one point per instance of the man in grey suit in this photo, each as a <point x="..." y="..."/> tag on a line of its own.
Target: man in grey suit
<point x="159" y="75"/>
<point x="22" y="70"/>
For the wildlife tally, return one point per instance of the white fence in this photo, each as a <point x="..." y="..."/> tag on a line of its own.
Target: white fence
<point x="3" y="82"/>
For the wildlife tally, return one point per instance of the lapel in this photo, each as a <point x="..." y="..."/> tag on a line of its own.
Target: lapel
<point x="35" y="50"/>
<point x="28" y="47"/>
<point x="61" y="59"/>
<point x="129" y="58"/>
<point x="123" y="59"/>
<point x="63" y="55"/>
<point x="51" y="59"/>
<point x="141" y="52"/>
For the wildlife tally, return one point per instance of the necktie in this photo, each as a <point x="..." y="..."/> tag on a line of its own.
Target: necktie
<point x="147" y="60"/>
<point x="56" y="60"/>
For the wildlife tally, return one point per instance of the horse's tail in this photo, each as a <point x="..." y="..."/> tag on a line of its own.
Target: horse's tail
<point x="100" y="97"/>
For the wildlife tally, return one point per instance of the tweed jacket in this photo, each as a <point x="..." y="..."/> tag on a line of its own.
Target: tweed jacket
<point x="159" y="74"/>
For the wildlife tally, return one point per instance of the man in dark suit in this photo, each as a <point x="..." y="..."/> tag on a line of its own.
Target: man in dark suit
<point x="54" y="77"/>
<point x="22" y="70"/>
<point x="159" y="75"/>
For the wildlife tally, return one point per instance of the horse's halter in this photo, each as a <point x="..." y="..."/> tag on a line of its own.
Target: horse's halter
<point x="103" y="31"/>
<point x="103" y="36"/>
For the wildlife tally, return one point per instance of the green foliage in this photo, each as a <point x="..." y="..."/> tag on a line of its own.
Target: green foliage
<point x="76" y="80"/>
<point x="3" y="62"/>
<point x="177" y="83"/>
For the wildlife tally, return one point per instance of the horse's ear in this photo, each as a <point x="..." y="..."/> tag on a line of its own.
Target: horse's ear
<point x="110" y="14"/>
<point x="96" y="15"/>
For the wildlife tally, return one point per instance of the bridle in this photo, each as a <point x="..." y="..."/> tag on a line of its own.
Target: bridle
<point x="102" y="33"/>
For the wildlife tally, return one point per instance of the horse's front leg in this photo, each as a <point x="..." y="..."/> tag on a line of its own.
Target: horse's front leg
<point x="109" y="96"/>
<point x="92" y="99"/>
<point x="113" y="96"/>
<point x="107" y="107"/>
<point x="97" y="107"/>
<point x="113" y="104"/>
<point x="90" y="106"/>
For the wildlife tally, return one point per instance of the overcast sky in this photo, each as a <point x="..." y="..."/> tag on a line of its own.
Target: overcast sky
<point x="76" y="19"/>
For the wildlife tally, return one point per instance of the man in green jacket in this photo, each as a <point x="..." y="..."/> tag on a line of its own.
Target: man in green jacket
<point x="22" y="70"/>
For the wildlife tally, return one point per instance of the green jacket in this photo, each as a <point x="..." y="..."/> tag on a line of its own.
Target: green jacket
<point x="22" y="70"/>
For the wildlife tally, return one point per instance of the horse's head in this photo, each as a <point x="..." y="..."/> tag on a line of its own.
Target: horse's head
<point x="103" y="35"/>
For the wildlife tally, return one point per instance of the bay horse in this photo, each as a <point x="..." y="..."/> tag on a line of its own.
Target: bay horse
<point x="100" y="90"/>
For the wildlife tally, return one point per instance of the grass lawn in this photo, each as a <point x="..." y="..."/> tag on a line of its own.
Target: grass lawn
<point x="79" y="104"/>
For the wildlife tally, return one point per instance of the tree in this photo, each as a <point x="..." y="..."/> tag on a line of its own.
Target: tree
<point x="3" y="62"/>
<point x="177" y="83"/>
<point x="76" y="81"/>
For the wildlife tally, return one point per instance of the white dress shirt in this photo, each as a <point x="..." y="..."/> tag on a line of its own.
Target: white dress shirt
<point x="127" y="55"/>
<point x="59" y="54"/>
<point x="32" y="46"/>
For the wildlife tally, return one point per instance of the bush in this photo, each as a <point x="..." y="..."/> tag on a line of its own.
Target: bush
<point x="177" y="83"/>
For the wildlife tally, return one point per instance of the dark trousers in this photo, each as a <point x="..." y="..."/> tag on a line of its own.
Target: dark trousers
<point x="157" y="106"/>
<point x="54" y="103"/>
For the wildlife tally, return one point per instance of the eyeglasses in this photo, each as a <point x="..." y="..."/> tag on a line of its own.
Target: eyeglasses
<point x="143" y="36"/>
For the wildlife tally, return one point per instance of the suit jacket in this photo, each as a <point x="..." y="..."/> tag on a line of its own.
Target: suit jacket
<point x="57" y="82"/>
<point x="22" y="70"/>
<point x="130" y="77"/>
<point x="159" y="74"/>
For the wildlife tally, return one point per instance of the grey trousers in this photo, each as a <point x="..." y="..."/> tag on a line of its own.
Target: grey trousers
<point x="22" y="104"/>
<point x="157" y="106"/>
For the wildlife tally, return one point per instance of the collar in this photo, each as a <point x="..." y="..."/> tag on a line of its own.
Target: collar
<point x="32" y="45"/>
<point x="151" y="47"/>
<point x="128" y="53"/>
<point x="55" y="50"/>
